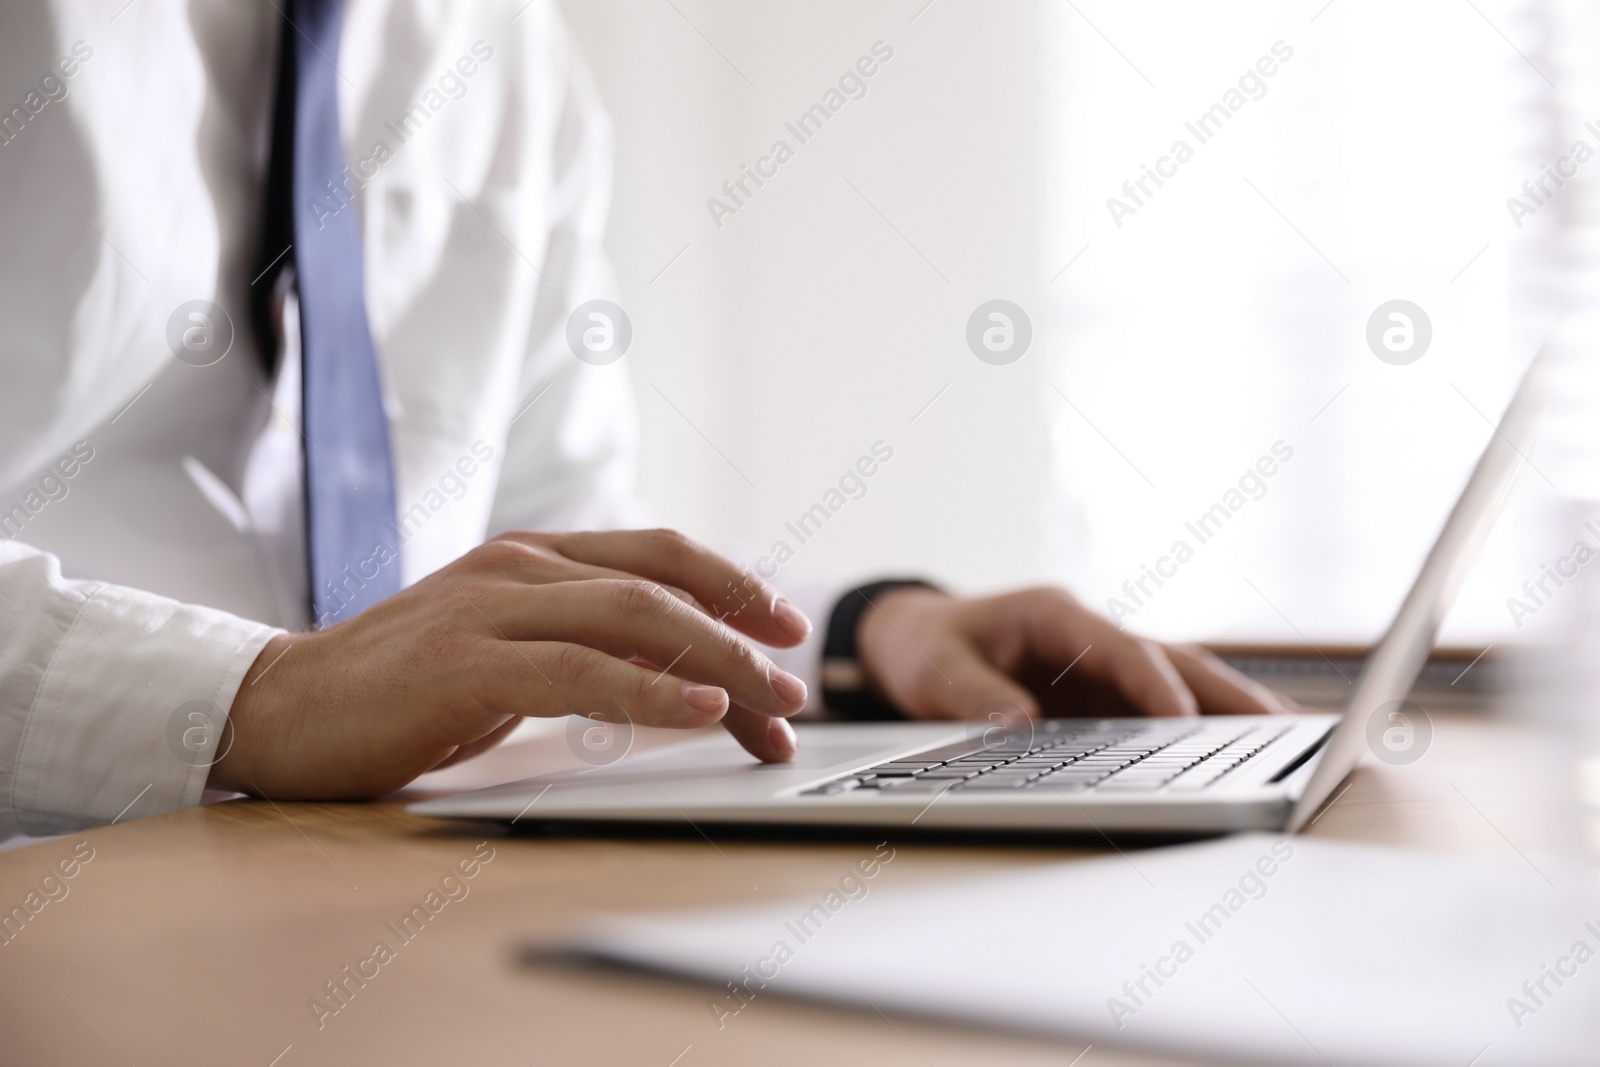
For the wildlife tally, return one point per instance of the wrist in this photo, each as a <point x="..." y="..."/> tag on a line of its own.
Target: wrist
<point x="881" y="633"/>
<point x="847" y="689"/>
<point x="236" y="762"/>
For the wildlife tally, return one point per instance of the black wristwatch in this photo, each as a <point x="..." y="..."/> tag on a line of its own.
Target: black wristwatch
<point x="844" y="681"/>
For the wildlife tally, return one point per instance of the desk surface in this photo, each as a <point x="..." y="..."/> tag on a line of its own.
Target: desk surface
<point x="200" y="937"/>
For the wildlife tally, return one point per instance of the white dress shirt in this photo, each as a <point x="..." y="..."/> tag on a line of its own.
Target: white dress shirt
<point x="151" y="532"/>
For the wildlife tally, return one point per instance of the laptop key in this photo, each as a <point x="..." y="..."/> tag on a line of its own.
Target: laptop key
<point x="1139" y="770"/>
<point x="945" y="753"/>
<point x="923" y="785"/>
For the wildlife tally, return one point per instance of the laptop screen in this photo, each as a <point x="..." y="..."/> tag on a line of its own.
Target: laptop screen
<point x="1391" y="670"/>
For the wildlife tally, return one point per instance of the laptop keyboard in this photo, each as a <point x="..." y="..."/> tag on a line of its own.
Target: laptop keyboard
<point x="1073" y="757"/>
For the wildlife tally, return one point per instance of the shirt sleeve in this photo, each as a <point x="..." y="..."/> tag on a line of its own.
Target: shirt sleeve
<point x="569" y="453"/>
<point x="98" y="684"/>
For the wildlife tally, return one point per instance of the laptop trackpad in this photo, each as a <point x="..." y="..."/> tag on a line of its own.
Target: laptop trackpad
<point x="822" y="750"/>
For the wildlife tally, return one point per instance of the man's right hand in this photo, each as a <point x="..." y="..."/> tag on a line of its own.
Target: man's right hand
<point x="529" y="624"/>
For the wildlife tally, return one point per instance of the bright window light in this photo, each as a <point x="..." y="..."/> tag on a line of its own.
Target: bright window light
<point x="1238" y="190"/>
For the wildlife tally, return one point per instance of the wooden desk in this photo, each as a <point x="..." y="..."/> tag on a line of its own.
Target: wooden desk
<point x="200" y="937"/>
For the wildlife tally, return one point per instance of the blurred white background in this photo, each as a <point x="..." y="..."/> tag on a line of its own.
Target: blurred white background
<point x="1169" y="353"/>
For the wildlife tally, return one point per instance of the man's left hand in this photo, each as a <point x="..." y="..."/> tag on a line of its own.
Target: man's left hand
<point x="1034" y="653"/>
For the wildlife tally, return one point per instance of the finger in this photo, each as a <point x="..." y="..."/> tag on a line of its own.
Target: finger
<point x="1143" y="673"/>
<point x="1060" y="630"/>
<point x="730" y="594"/>
<point x="637" y="620"/>
<point x="961" y="684"/>
<point x="552" y="678"/>
<point x="767" y="739"/>
<point x="1221" y="689"/>
<point x="584" y="679"/>
<point x="538" y="563"/>
<point x="583" y="572"/>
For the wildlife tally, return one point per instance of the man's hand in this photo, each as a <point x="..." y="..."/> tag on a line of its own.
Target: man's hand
<point x="527" y="624"/>
<point x="938" y="657"/>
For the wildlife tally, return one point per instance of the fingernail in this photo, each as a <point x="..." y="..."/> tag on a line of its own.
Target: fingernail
<point x="789" y="689"/>
<point x="791" y="618"/>
<point x="706" y="698"/>
<point x="781" y="736"/>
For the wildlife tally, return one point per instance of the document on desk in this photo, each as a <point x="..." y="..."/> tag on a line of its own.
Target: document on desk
<point x="1257" y="949"/>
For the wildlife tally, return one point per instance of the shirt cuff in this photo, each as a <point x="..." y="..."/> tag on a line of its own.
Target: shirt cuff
<point x="128" y="713"/>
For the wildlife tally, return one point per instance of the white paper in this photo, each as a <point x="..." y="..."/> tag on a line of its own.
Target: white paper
<point x="1342" y="954"/>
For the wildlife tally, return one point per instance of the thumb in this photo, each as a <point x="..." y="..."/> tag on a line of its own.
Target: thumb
<point x="975" y="690"/>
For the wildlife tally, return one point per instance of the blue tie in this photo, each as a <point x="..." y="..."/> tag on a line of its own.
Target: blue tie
<point x="310" y="212"/>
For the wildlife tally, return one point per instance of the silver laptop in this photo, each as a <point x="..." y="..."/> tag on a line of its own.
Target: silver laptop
<point x="1168" y="776"/>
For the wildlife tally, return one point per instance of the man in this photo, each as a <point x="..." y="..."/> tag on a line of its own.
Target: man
<point x="286" y="311"/>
